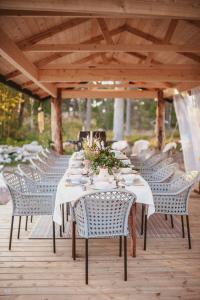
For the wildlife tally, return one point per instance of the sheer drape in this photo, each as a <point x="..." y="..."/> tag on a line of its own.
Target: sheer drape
<point x="188" y="115"/>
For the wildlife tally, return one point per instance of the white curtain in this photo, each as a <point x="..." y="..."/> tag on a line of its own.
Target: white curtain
<point x="188" y="115"/>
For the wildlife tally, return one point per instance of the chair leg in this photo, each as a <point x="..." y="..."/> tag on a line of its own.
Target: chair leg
<point x="86" y="261"/>
<point x="74" y="240"/>
<point x="54" y="237"/>
<point x="142" y="219"/>
<point x="183" y="229"/>
<point x="31" y="219"/>
<point x="26" y="225"/>
<point x="166" y="217"/>
<point x="11" y="232"/>
<point x="60" y="230"/>
<point x="172" y="221"/>
<point x="63" y="218"/>
<point x="125" y="258"/>
<point x="19" y="227"/>
<point x="120" y="246"/>
<point x="188" y="230"/>
<point x="145" y="232"/>
<point x="67" y="212"/>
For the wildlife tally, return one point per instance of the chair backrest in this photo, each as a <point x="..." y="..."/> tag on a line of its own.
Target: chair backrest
<point x="100" y="135"/>
<point x="83" y="135"/>
<point x="30" y="172"/>
<point x="15" y="182"/>
<point x="184" y="181"/>
<point x="156" y="165"/>
<point x="139" y="146"/>
<point x="103" y="213"/>
<point x="153" y="160"/>
<point x="41" y="166"/>
<point x="164" y="173"/>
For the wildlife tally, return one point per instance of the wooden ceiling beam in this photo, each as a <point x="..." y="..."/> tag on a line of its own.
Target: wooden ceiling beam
<point x="46" y="60"/>
<point x="189" y="9"/>
<point x="161" y="47"/>
<point x="12" y="54"/>
<point x="91" y="86"/>
<point x="109" y="94"/>
<point x="79" y="65"/>
<point x="155" y="73"/>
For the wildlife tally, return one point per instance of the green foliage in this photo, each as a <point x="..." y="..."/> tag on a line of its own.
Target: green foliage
<point x="106" y="159"/>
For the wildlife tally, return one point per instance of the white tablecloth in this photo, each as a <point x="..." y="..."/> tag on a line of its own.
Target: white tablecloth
<point x="66" y="194"/>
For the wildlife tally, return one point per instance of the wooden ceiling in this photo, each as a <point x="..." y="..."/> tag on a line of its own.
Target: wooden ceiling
<point x="75" y="45"/>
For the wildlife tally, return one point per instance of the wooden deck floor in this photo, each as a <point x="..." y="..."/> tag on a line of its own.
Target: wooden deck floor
<point x="168" y="270"/>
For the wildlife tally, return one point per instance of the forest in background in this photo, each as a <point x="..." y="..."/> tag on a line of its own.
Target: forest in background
<point x="19" y="118"/>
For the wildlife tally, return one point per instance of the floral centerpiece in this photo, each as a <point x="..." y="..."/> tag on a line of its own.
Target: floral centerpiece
<point x="102" y="159"/>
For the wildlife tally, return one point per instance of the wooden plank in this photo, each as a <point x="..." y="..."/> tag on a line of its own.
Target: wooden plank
<point x="167" y="270"/>
<point x="109" y="94"/>
<point x="112" y="48"/>
<point x="111" y="86"/>
<point x="123" y="9"/>
<point x="155" y="73"/>
<point x="82" y="64"/>
<point x="10" y="52"/>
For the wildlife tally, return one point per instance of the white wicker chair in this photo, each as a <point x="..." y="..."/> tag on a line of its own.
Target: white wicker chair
<point x="163" y="163"/>
<point x="162" y="174"/>
<point x="103" y="214"/>
<point x="45" y="169"/>
<point x="28" y="201"/>
<point x="172" y="198"/>
<point x="42" y="183"/>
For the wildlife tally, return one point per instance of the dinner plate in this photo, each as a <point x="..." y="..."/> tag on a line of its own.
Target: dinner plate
<point x="103" y="187"/>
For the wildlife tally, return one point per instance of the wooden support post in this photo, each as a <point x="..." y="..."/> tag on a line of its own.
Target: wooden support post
<point x="160" y="121"/>
<point x="128" y="117"/>
<point x="56" y="122"/>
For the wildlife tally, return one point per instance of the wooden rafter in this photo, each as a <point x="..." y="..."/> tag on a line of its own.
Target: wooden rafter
<point x="109" y="94"/>
<point x="156" y="73"/>
<point x="104" y="29"/>
<point x="115" y="9"/>
<point x="129" y="86"/>
<point x="46" y="60"/>
<point x="38" y="37"/>
<point x="10" y="52"/>
<point x="153" y="39"/>
<point x="113" y="48"/>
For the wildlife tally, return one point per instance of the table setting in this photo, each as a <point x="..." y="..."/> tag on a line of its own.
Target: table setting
<point x="97" y="168"/>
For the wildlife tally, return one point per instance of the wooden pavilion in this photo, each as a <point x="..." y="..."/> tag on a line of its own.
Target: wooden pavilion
<point x="66" y="49"/>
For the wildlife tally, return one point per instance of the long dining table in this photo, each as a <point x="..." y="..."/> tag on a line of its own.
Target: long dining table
<point x="70" y="193"/>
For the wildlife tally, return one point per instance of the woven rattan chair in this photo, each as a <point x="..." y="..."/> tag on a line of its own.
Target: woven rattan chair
<point x="43" y="183"/>
<point x="54" y="155"/>
<point x="162" y="174"/>
<point x="101" y="215"/>
<point x="28" y="201"/>
<point x="161" y="164"/>
<point x="139" y="160"/>
<point x="45" y="169"/>
<point x="172" y="198"/>
<point x="153" y="160"/>
<point x="53" y="163"/>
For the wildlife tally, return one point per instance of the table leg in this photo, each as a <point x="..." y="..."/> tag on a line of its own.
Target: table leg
<point x="132" y="222"/>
